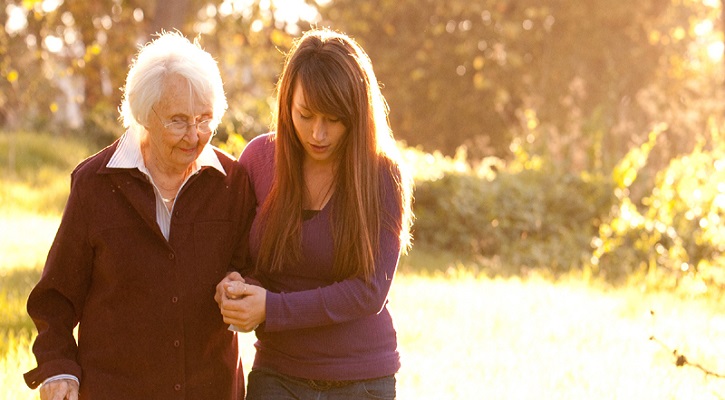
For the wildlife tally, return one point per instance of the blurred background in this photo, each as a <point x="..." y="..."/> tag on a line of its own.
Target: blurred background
<point x="582" y="142"/>
<point x="568" y="135"/>
<point x="582" y="82"/>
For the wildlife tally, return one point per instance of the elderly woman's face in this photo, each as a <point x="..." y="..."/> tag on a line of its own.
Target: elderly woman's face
<point x="172" y="147"/>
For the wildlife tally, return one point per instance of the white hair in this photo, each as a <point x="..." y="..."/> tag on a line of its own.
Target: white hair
<point x="170" y="53"/>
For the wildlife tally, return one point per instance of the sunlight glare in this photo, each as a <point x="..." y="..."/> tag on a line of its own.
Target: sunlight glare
<point x="257" y="26"/>
<point x="287" y="11"/>
<point x="715" y="51"/>
<point x="719" y="201"/>
<point x="236" y="7"/>
<point x="17" y="19"/>
<point x="54" y="44"/>
<point x="703" y="28"/>
<point x="138" y="15"/>
<point x="291" y="11"/>
<point x="50" y="5"/>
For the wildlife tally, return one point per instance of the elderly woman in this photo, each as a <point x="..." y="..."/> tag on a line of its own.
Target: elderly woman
<point x="152" y="223"/>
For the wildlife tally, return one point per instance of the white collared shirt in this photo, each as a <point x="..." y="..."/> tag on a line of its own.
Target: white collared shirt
<point x="128" y="155"/>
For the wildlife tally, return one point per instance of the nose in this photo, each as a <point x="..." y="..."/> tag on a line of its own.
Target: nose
<point x="319" y="129"/>
<point x="192" y="132"/>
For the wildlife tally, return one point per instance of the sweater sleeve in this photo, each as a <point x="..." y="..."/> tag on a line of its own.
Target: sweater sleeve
<point x="351" y="298"/>
<point x="56" y="302"/>
<point x="241" y="259"/>
<point x="258" y="160"/>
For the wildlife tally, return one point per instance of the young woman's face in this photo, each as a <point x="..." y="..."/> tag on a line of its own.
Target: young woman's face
<point x="321" y="135"/>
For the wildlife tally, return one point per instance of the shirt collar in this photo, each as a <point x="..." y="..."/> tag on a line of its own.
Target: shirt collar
<point x="128" y="155"/>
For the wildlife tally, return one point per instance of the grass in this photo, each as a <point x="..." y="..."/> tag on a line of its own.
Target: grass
<point x="468" y="337"/>
<point x="462" y="335"/>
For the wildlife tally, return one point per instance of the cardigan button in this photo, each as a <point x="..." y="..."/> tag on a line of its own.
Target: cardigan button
<point x="177" y="387"/>
<point x="171" y="256"/>
<point x="177" y="343"/>
<point x="174" y="299"/>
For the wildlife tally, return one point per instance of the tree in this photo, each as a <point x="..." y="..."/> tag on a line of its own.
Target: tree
<point x="580" y="81"/>
<point x="80" y="52"/>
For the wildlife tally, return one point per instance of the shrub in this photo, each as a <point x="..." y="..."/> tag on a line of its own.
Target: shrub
<point x="532" y="218"/>
<point x="676" y="238"/>
<point x="35" y="170"/>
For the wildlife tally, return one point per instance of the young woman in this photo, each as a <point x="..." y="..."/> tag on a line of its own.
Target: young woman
<point x="333" y="216"/>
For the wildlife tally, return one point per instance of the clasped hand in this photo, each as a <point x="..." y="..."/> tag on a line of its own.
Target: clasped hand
<point x="242" y="304"/>
<point x="61" y="389"/>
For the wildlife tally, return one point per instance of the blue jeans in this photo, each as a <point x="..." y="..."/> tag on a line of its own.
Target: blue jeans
<point x="264" y="384"/>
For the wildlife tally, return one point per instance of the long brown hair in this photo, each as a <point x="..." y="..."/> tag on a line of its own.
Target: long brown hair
<point x="337" y="78"/>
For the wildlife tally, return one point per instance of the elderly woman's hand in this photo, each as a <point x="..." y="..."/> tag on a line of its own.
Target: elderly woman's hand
<point x="244" y="305"/>
<point x="61" y="389"/>
<point x="221" y="291"/>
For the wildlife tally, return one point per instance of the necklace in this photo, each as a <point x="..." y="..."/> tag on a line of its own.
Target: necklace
<point x="319" y="202"/>
<point x="173" y="188"/>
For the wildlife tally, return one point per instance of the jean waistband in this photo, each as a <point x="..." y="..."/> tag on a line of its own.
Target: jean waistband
<point x="321" y="384"/>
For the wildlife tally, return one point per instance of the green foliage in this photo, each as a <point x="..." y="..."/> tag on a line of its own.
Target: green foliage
<point x="579" y="80"/>
<point x="35" y="170"/>
<point x="506" y="217"/>
<point x="234" y="144"/>
<point x="593" y="74"/>
<point x="77" y="80"/>
<point x="626" y="171"/>
<point x="25" y="153"/>
<point x="14" y="292"/>
<point x="532" y="218"/>
<point x="676" y="238"/>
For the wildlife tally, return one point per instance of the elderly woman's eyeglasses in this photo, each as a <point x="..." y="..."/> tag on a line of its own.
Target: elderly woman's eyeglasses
<point x="178" y="127"/>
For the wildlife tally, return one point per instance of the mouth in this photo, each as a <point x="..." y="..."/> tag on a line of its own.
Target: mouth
<point x="319" y="148"/>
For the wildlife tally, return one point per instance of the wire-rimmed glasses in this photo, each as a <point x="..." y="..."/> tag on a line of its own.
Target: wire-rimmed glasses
<point x="179" y="128"/>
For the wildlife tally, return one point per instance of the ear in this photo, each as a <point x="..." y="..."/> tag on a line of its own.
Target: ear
<point x="147" y="123"/>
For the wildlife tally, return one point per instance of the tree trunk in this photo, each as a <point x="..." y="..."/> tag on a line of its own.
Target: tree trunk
<point x="170" y="16"/>
<point x="91" y="69"/>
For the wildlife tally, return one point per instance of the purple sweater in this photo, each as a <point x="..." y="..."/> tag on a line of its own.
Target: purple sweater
<point x="317" y="328"/>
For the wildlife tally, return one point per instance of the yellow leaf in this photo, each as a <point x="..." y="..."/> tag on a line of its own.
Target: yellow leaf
<point x="54" y="107"/>
<point x="13" y="76"/>
<point x="479" y="62"/>
<point x="278" y="38"/>
<point x="94" y="49"/>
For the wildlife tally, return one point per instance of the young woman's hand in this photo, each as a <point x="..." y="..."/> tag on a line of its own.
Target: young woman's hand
<point x="243" y="305"/>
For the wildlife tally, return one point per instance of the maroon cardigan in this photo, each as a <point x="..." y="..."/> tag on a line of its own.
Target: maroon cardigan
<point x="149" y="325"/>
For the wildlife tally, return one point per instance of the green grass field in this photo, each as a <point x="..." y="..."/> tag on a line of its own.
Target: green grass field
<point x="468" y="337"/>
<point x="461" y="335"/>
